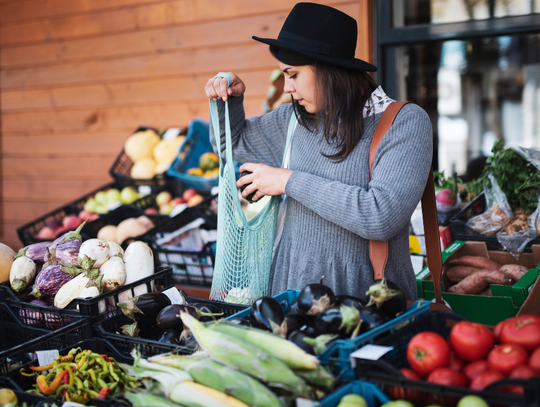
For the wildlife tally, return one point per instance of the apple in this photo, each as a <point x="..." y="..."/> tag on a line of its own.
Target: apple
<point x="53" y="224"/>
<point x="71" y="222"/>
<point x="92" y="217"/>
<point x="166" y="209"/>
<point x="151" y="211"/>
<point x="178" y="200"/>
<point x="101" y="198"/>
<point x="90" y="205"/>
<point x="128" y="195"/>
<point x="447" y="197"/>
<point x="195" y="200"/>
<point x="188" y="194"/>
<point x="46" y="233"/>
<point x="112" y="196"/>
<point x="84" y="214"/>
<point x="163" y="198"/>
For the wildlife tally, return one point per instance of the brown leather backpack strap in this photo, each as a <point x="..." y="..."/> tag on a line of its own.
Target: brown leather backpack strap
<point x="378" y="250"/>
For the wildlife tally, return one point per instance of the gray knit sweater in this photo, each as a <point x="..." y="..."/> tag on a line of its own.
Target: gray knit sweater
<point x="333" y="209"/>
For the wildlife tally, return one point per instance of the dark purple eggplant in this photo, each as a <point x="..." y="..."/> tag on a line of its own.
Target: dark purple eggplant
<point x="171" y="336"/>
<point x="240" y="321"/>
<point x="169" y="317"/>
<point x="209" y="312"/>
<point x="371" y="318"/>
<point x="68" y="252"/>
<point x="315" y="298"/>
<point x="293" y="322"/>
<point x="321" y="343"/>
<point x="26" y="294"/>
<point x="266" y="313"/>
<point x="293" y="307"/>
<point x="36" y="251"/>
<point x="34" y="318"/>
<point x="54" y="322"/>
<point x="297" y="337"/>
<point x="339" y="320"/>
<point x="308" y="330"/>
<point x="349" y="301"/>
<point x="248" y="198"/>
<point x="51" y="278"/>
<point x="388" y="297"/>
<point x="145" y="306"/>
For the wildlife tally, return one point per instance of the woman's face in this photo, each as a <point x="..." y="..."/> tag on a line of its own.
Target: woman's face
<point x="300" y="83"/>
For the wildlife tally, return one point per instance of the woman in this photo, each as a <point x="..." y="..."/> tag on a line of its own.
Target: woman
<point x="333" y="208"/>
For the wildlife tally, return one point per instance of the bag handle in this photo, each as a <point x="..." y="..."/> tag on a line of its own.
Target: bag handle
<point x="378" y="250"/>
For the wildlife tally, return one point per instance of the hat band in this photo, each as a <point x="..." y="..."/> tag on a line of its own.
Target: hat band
<point x="320" y="47"/>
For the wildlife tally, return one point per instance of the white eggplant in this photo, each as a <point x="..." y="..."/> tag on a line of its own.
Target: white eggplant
<point x="71" y="290"/>
<point x="91" y="292"/>
<point x="139" y="261"/>
<point x="23" y="271"/>
<point x="93" y="250"/>
<point x="113" y="272"/>
<point x="115" y="250"/>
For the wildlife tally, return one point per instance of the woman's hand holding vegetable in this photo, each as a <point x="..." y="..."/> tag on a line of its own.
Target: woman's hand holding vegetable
<point x="216" y="88"/>
<point x="263" y="180"/>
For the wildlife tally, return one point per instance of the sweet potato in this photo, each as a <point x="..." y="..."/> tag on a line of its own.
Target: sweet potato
<point x="486" y="292"/>
<point x="514" y="271"/>
<point x="458" y="273"/>
<point x="476" y="261"/>
<point x="497" y="277"/>
<point x="472" y="284"/>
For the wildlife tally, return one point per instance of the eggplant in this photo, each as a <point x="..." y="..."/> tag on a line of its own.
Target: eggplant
<point x="350" y="301"/>
<point x="54" y="322"/>
<point x="31" y="317"/>
<point x="36" y="251"/>
<point x="171" y="336"/>
<point x="93" y="253"/>
<point x="145" y="306"/>
<point x="51" y="278"/>
<point x="240" y="321"/>
<point x="297" y="337"/>
<point x="388" y="297"/>
<point x="169" y="317"/>
<point x="320" y="343"/>
<point x="308" y="330"/>
<point x="315" y="298"/>
<point x="26" y="294"/>
<point x="207" y="312"/>
<point x="371" y="317"/>
<point x="293" y="322"/>
<point x="114" y="273"/>
<point x="22" y="272"/>
<point x="293" y="307"/>
<point x="68" y="252"/>
<point x="340" y="320"/>
<point x="188" y="340"/>
<point x="266" y="313"/>
<point x="72" y="235"/>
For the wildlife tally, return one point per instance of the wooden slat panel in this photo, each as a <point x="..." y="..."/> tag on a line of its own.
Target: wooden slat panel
<point x="52" y="191"/>
<point x="25" y="211"/>
<point x="9" y="235"/>
<point x="29" y="10"/>
<point x="173" y="89"/>
<point x="28" y="32"/>
<point x="215" y="33"/>
<point x="173" y="115"/>
<point x="253" y="55"/>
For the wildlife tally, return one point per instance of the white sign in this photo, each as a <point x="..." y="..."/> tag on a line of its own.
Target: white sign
<point x="175" y="296"/>
<point x="171" y="133"/>
<point x="46" y="357"/>
<point x="305" y="403"/>
<point x="370" y="352"/>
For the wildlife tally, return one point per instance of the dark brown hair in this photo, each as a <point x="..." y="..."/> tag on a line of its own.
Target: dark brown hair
<point x="341" y="95"/>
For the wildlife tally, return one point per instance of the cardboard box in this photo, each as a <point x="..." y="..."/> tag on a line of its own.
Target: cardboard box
<point x="505" y="301"/>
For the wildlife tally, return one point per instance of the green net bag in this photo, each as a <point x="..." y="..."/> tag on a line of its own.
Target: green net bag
<point x="244" y="248"/>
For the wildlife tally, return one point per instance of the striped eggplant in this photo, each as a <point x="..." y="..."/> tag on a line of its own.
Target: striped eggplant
<point x="73" y="235"/>
<point x="68" y="252"/>
<point x="37" y="251"/>
<point x="51" y="278"/>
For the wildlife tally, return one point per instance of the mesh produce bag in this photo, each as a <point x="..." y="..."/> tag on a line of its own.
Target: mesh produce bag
<point x="244" y="248"/>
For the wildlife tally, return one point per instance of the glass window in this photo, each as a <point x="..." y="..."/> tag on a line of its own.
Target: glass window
<point x="415" y="12"/>
<point x="476" y="91"/>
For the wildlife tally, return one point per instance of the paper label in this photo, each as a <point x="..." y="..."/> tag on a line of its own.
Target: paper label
<point x="305" y="403"/>
<point x="178" y="209"/>
<point x="46" y="357"/>
<point x="145" y="190"/>
<point x="175" y="296"/>
<point x="171" y="133"/>
<point x="72" y="404"/>
<point x="371" y="352"/>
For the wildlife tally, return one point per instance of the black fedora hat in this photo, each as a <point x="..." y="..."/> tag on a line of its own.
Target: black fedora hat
<point x="322" y="33"/>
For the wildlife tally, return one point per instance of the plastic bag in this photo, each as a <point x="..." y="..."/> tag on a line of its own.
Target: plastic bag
<point x="498" y="212"/>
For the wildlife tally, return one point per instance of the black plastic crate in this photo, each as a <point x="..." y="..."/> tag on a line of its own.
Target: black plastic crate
<point x="461" y="231"/>
<point x="190" y="267"/>
<point x="26" y="354"/>
<point x="121" y="168"/>
<point x="31" y="400"/>
<point x="27" y="232"/>
<point x="385" y="371"/>
<point x="162" y="279"/>
<point x="227" y="308"/>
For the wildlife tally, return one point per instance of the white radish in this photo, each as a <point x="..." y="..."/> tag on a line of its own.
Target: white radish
<point x="139" y="261"/>
<point x="115" y="250"/>
<point x="23" y="271"/>
<point x="71" y="290"/>
<point x="114" y="273"/>
<point x="96" y="250"/>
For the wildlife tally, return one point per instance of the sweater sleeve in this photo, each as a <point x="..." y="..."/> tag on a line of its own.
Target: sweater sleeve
<point x="399" y="175"/>
<point x="260" y="139"/>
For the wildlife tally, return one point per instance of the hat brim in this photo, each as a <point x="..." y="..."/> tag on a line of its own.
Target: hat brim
<point x="354" y="63"/>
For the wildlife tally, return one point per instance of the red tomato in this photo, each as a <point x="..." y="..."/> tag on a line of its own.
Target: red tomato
<point x="471" y="341"/>
<point x="456" y="363"/>
<point x="534" y="360"/>
<point x="447" y="377"/>
<point x="427" y="351"/>
<point x="410" y="374"/>
<point x="520" y="372"/>
<point x="475" y="368"/>
<point x="505" y="358"/>
<point x="485" y="378"/>
<point x="497" y="330"/>
<point x="523" y="330"/>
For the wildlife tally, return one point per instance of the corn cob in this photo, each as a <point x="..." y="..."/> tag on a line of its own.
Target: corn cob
<point x="320" y="377"/>
<point x="191" y="394"/>
<point x="240" y="355"/>
<point x="281" y="349"/>
<point x="140" y="399"/>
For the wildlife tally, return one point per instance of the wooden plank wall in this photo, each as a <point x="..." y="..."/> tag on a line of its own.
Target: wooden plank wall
<point x="78" y="76"/>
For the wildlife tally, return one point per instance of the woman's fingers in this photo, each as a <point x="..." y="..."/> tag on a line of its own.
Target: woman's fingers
<point x="216" y="88"/>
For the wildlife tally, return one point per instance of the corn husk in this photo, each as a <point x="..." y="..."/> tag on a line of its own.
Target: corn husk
<point x="191" y="394"/>
<point x="240" y="355"/>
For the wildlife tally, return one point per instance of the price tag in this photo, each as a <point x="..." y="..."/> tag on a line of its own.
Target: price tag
<point x="175" y="296"/>
<point x="370" y="352"/>
<point x="178" y="209"/>
<point x="46" y="357"/>
<point x="171" y="133"/>
<point x="72" y="404"/>
<point x="306" y="403"/>
<point x="145" y="190"/>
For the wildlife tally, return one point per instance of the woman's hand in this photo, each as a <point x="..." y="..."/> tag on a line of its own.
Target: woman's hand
<point x="264" y="179"/>
<point x="216" y="88"/>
